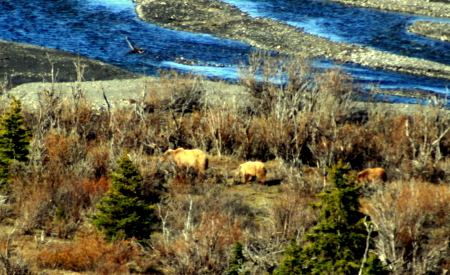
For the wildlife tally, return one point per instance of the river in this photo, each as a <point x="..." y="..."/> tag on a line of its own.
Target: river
<point x="97" y="29"/>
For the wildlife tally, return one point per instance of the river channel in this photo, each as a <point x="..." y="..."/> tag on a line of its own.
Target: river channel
<point x="97" y="29"/>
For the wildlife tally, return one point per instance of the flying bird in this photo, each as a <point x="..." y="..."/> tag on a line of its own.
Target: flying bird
<point x="133" y="48"/>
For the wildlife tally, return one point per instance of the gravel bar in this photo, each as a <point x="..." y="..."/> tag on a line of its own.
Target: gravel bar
<point x="226" y="21"/>
<point x="431" y="29"/>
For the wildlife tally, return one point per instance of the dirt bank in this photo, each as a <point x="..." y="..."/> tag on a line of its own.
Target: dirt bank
<point x="226" y="21"/>
<point x="23" y="63"/>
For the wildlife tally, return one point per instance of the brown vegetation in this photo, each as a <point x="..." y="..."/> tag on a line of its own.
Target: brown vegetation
<point x="298" y="129"/>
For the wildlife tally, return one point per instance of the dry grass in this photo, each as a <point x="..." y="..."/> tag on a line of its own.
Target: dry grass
<point x="298" y="129"/>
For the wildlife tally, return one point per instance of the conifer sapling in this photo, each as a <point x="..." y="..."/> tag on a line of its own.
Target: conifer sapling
<point x="123" y="212"/>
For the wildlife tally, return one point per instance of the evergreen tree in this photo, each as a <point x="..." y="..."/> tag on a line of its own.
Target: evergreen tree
<point x="14" y="139"/>
<point x="237" y="261"/>
<point x="336" y="245"/>
<point x="123" y="212"/>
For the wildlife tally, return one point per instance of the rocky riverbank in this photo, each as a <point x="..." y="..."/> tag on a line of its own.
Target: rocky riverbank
<point x="226" y="21"/>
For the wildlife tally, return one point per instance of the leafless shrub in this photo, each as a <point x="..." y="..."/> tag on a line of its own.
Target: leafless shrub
<point x="224" y="129"/>
<point x="413" y="140"/>
<point x="409" y="217"/>
<point x="291" y="214"/>
<point x="280" y="84"/>
<point x="6" y="211"/>
<point x="200" y="230"/>
<point x="11" y="260"/>
<point x="36" y="208"/>
<point x="184" y="91"/>
<point x="425" y="139"/>
<point x="289" y="217"/>
<point x="204" y="248"/>
<point x="303" y="106"/>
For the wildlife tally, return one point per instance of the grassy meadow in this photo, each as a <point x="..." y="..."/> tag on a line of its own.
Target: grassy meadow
<point x="298" y="129"/>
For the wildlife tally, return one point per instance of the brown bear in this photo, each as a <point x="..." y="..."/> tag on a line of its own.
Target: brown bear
<point x="251" y="169"/>
<point x="371" y="175"/>
<point x="185" y="159"/>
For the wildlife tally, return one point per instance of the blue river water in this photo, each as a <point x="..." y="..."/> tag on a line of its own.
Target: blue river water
<point x="97" y="29"/>
<point x="386" y="31"/>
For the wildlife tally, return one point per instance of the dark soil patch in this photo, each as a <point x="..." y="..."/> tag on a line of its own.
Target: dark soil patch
<point x="22" y="63"/>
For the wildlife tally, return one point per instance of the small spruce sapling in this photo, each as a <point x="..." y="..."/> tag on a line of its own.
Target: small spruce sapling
<point x="123" y="212"/>
<point x="237" y="262"/>
<point x="14" y="139"/>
